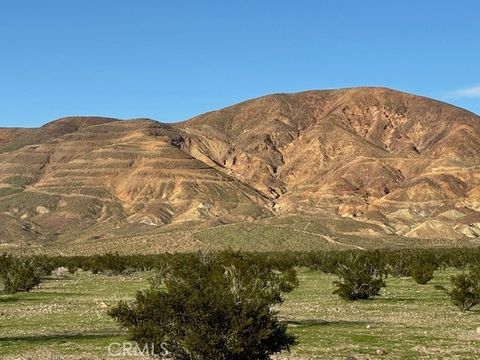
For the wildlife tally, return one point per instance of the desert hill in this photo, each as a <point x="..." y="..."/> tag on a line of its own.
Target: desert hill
<point x="365" y="153"/>
<point x="395" y="164"/>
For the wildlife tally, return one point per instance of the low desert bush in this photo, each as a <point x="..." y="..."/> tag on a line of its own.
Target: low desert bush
<point x="109" y="264"/>
<point x="360" y="277"/>
<point x="422" y="272"/>
<point x="19" y="274"/>
<point x="211" y="307"/>
<point x="465" y="289"/>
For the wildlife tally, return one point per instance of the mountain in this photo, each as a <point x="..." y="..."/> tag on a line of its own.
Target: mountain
<point x="391" y="163"/>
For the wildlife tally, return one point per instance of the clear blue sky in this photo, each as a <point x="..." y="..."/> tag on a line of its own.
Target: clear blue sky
<point x="170" y="60"/>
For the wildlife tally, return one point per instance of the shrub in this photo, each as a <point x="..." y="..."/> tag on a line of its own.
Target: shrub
<point x="398" y="263"/>
<point x="19" y="274"/>
<point x="399" y="268"/>
<point x="361" y="277"/>
<point x="211" y="307"/>
<point x="422" y="272"/>
<point x="465" y="290"/>
<point x="109" y="264"/>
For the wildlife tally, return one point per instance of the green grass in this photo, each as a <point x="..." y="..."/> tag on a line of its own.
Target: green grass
<point x="19" y="181"/>
<point x="408" y="321"/>
<point x="29" y="200"/>
<point x="63" y="315"/>
<point x="6" y="191"/>
<point x="245" y="236"/>
<point x="305" y="233"/>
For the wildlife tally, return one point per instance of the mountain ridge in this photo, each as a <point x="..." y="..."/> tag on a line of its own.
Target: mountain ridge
<point x="372" y="154"/>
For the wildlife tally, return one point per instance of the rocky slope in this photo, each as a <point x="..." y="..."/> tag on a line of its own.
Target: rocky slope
<point x="121" y="173"/>
<point x="374" y="154"/>
<point x="397" y="163"/>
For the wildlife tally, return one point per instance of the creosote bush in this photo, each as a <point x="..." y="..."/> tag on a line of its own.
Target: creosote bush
<point x="360" y="277"/>
<point x="399" y="267"/>
<point x="19" y="274"/>
<point x="465" y="289"/>
<point x="211" y="307"/>
<point x="109" y="264"/>
<point x="395" y="261"/>
<point x="422" y="272"/>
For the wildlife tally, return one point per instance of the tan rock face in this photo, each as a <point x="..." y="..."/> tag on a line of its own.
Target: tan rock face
<point x="42" y="210"/>
<point x="408" y="164"/>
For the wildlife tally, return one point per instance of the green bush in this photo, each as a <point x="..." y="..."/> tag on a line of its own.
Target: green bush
<point x="19" y="274"/>
<point x="109" y="264"/>
<point x="360" y="277"/>
<point x="211" y="307"/>
<point x="422" y="272"/>
<point x="398" y="263"/>
<point x="465" y="290"/>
